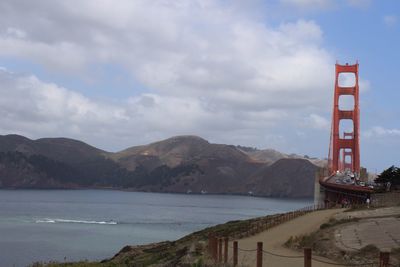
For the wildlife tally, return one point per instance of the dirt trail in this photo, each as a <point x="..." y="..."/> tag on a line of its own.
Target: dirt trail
<point x="273" y="240"/>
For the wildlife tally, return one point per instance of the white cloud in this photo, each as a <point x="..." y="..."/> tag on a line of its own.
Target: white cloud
<point x="13" y="32"/>
<point x="206" y="69"/>
<point x="47" y="108"/>
<point x="309" y="4"/>
<point x="390" y="20"/>
<point x="35" y="108"/>
<point x="316" y="121"/>
<point x="379" y="132"/>
<point x="192" y="48"/>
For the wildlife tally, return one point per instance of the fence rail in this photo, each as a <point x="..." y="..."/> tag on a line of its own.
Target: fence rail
<point x="270" y="222"/>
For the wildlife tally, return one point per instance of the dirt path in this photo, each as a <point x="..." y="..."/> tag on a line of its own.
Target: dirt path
<point x="274" y="239"/>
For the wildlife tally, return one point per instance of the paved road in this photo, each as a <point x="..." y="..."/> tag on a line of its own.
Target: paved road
<point x="379" y="227"/>
<point x="384" y="233"/>
<point x="273" y="240"/>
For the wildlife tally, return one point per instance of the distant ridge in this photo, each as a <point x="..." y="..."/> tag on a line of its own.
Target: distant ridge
<point x="180" y="164"/>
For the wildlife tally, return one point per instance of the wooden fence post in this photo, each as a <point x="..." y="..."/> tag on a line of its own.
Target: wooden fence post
<point x="307" y="257"/>
<point x="219" y="249"/>
<point x="259" y="254"/>
<point x="212" y="246"/>
<point x="235" y="253"/>
<point x="226" y="249"/>
<point x="384" y="257"/>
<point x="210" y="243"/>
<point x="215" y="249"/>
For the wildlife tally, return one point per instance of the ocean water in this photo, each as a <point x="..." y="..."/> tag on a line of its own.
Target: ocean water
<point x="43" y="225"/>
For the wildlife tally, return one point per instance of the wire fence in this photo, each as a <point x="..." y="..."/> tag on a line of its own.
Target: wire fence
<point x="219" y="247"/>
<point x="272" y="221"/>
<point x="384" y="260"/>
<point x="282" y="256"/>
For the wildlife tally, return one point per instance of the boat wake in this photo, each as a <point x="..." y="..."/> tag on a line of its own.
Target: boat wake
<point x="74" y="221"/>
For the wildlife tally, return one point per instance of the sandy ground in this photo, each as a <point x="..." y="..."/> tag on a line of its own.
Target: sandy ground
<point x="273" y="240"/>
<point x="370" y="213"/>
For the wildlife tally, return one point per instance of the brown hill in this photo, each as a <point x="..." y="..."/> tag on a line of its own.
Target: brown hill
<point x="293" y="177"/>
<point x="178" y="164"/>
<point x="54" y="162"/>
<point x="61" y="149"/>
<point x="270" y="156"/>
<point x="171" y="152"/>
<point x="215" y="168"/>
<point x="267" y="155"/>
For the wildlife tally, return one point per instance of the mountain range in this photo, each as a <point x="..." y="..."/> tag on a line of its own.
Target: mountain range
<point x="180" y="164"/>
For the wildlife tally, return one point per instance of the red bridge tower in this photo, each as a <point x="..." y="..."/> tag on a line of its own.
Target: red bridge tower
<point x="344" y="150"/>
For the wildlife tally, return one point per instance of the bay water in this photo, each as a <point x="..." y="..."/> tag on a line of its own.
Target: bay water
<point x="71" y="225"/>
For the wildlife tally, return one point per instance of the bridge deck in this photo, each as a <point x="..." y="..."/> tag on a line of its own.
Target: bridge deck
<point x="336" y="182"/>
<point x="340" y="190"/>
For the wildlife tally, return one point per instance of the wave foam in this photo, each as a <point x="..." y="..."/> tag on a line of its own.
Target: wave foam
<point x="74" y="221"/>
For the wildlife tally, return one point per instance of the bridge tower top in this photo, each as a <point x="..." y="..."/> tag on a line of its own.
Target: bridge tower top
<point x="345" y="144"/>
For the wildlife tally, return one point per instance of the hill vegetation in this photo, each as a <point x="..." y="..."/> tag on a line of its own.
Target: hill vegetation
<point x="179" y="164"/>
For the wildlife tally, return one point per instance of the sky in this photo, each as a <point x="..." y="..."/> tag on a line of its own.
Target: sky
<point x="256" y="73"/>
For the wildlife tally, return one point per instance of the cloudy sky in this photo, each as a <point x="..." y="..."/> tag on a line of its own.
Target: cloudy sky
<point x="256" y="73"/>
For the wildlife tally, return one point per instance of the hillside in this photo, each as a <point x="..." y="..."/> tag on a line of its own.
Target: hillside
<point x="178" y="164"/>
<point x="170" y="152"/>
<point x="270" y="156"/>
<point x="278" y="179"/>
<point x="62" y="149"/>
<point x="267" y="155"/>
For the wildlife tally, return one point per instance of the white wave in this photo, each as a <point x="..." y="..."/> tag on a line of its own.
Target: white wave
<point x="45" y="221"/>
<point x="74" y="221"/>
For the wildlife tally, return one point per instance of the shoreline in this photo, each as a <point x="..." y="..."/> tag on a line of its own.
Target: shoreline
<point x="191" y="248"/>
<point x="282" y="233"/>
<point x="153" y="192"/>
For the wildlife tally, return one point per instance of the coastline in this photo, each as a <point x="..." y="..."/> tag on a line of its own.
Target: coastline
<point x="154" y="192"/>
<point x="285" y="236"/>
<point x="185" y="251"/>
<point x="190" y="249"/>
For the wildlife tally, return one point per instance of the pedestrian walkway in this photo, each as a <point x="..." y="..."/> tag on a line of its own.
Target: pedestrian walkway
<point x="274" y="239"/>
